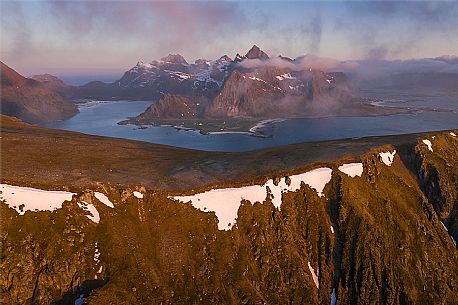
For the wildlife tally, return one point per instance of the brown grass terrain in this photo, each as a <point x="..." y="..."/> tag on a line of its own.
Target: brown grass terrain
<point x="48" y="158"/>
<point x="387" y="245"/>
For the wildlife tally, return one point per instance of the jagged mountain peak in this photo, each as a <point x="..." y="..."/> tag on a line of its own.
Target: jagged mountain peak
<point x="239" y="58"/>
<point x="256" y="53"/>
<point x="224" y="58"/>
<point x="174" y="58"/>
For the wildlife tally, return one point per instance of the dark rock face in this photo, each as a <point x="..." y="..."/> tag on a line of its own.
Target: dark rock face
<point x="170" y="105"/>
<point x="51" y="268"/>
<point x="30" y="100"/>
<point x="271" y="91"/>
<point x="256" y="53"/>
<point x="437" y="176"/>
<point x="374" y="239"/>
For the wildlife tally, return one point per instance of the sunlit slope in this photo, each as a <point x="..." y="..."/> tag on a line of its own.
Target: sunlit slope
<point x="371" y="237"/>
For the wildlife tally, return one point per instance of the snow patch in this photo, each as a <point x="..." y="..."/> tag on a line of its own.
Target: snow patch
<point x="256" y="78"/>
<point x="181" y="75"/>
<point x="261" y="80"/>
<point x="104" y="199"/>
<point x="333" y="297"/>
<point x="429" y="144"/>
<point x="226" y="202"/>
<point x="332" y="229"/>
<point x="96" y="254"/>
<point x="453" y="134"/>
<point x="93" y="215"/>
<point x="445" y="228"/>
<point x="316" y="179"/>
<point x="32" y="199"/>
<point x="387" y="157"/>
<point x="285" y="76"/>
<point x="352" y="169"/>
<point x="314" y="276"/>
<point x="138" y="195"/>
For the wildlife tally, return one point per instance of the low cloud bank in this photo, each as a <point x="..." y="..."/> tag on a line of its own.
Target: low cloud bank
<point x="362" y="68"/>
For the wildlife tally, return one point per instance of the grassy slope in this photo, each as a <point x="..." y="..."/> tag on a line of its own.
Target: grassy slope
<point x="388" y="247"/>
<point x="78" y="161"/>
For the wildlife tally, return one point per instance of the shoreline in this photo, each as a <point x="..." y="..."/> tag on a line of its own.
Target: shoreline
<point x="260" y="126"/>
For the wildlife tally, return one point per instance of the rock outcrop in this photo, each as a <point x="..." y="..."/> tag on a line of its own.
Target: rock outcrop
<point x="175" y="106"/>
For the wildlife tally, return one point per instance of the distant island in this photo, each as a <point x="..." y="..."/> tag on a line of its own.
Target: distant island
<point x="235" y="95"/>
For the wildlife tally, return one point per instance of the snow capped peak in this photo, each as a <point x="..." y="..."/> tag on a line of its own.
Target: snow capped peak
<point x="141" y="64"/>
<point x="239" y="58"/>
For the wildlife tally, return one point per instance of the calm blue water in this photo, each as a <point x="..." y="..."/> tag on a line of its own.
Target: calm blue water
<point x="102" y="118"/>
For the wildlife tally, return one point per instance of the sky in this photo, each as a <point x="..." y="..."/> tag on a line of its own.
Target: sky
<point x="102" y="39"/>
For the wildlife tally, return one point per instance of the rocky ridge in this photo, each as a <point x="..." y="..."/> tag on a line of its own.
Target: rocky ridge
<point x="373" y="239"/>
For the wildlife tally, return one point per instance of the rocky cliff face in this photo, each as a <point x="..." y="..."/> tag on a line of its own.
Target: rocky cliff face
<point x="30" y="100"/>
<point x="370" y="239"/>
<point x="175" y="106"/>
<point x="271" y="91"/>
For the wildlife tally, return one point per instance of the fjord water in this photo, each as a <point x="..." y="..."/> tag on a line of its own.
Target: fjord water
<point x="434" y="113"/>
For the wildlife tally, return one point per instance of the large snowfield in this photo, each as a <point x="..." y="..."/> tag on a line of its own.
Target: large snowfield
<point x="226" y="202"/>
<point x="24" y="199"/>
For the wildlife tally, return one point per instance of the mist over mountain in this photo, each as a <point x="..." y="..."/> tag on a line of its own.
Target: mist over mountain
<point x="188" y="152"/>
<point x="256" y="85"/>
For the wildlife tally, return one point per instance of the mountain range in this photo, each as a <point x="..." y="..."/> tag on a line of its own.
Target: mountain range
<point x="221" y="88"/>
<point x="253" y="85"/>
